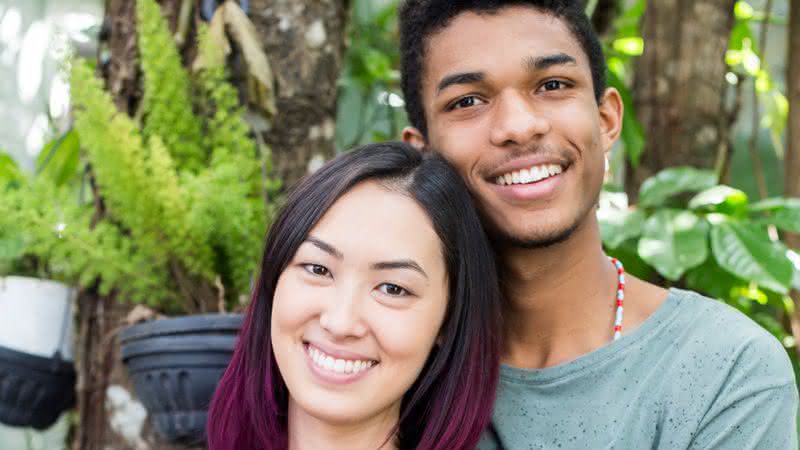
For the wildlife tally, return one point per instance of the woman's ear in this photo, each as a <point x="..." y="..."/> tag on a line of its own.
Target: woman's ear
<point x="413" y="137"/>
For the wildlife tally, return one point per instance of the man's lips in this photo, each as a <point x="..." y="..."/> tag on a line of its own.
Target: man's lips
<point x="528" y="163"/>
<point x="526" y="188"/>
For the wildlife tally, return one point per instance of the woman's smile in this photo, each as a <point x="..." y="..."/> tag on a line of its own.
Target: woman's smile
<point x="336" y="370"/>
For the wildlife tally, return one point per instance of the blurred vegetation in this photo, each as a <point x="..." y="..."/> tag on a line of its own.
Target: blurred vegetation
<point x="168" y="208"/>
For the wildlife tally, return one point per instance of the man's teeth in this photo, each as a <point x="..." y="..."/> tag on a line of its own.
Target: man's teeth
<point x="532" y="175"/>
<point x="337" y="365"/>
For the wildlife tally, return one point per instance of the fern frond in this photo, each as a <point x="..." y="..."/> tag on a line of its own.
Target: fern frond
<point x="167" y="104"/>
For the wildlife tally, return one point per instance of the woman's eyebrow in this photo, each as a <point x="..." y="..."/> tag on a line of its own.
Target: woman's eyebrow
<point x="325" y="247"/>
<point x="400" y="264"/>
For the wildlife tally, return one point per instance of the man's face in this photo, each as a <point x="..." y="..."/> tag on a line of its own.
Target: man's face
<point x="509" y="101"/>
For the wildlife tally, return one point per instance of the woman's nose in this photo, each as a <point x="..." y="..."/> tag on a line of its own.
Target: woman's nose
<point x="341" y="316"/>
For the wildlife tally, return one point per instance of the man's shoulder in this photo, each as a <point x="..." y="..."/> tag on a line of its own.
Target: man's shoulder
<point x="714" y="331"/>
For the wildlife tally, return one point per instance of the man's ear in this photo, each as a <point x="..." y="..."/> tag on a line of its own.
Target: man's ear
<point x="611" y="112"/>
<point x="413" y="137"/>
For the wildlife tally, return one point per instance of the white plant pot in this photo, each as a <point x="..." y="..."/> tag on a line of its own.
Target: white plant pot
<point x="36" y="316"/>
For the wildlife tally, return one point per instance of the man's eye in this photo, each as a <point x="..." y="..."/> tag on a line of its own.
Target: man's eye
<point x="553" y="85"/>
<point x="392" y="289"/>
<point x="317" y="269"/>
<point x="465" y="102"/>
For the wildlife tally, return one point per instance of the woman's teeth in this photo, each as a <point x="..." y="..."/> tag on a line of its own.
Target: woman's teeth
<point x="337" y="365"/>
<point x="532" y="175"/>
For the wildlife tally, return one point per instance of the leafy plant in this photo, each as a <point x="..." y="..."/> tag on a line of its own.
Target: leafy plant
<point x="181" y="200"/>
<point x="692" y="232"/>
<point x="370" y="104"/>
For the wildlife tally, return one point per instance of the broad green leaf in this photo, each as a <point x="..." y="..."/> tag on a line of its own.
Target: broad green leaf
<point x="711" y="280"/>
<point x="620" y="226"/>
<point x="673" y="242"/>
<point x="746" y="251"/>
<point x="774" y="204"/>
<point x="794" y="257"/>
<point x="658" y="188"/>
<point x="720" y="199"/>
<point x="634" y="265"/>
<point x="59" y="159"/>
<point x="784" y="213"/>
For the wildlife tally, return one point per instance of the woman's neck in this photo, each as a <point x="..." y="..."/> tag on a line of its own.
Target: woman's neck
<point x="307" y="432"/>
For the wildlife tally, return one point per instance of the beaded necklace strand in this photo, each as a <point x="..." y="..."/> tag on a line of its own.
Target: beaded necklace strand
<point x="620" y="297"/>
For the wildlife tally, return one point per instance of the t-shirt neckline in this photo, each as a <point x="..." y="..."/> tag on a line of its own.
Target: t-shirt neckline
<point x="613" y="349"/>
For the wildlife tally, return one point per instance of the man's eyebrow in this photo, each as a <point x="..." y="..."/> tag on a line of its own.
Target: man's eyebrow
<point x="325" y="247"/>
<point x="460" y="78"/>
<point x="401" y="264"/>
<point x="547" y="61"/>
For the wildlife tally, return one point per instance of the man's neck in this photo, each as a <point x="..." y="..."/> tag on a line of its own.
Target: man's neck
<point x="307" y="432"/>
<point x="561" y="300"/>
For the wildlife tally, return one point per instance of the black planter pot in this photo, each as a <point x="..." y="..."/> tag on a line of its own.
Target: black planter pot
<point x="34" y="390"/>
<point x="175" y="365"/>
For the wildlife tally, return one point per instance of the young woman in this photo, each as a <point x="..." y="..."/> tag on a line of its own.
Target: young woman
<point x="375" y="320"/>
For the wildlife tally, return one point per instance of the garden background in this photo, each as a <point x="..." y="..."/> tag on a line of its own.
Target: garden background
<point x="225" y="104"/>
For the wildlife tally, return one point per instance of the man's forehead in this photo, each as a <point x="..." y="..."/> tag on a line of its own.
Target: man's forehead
<point x="469" y="40"/>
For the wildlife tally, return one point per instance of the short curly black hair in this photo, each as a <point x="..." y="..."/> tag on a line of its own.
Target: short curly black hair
<point x="419" y="19"/>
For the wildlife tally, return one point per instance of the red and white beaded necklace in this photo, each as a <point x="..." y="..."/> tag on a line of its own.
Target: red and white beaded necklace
<point x="620" y="297"/>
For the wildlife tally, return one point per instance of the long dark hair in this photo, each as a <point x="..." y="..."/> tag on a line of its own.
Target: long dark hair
<point x="451" y="401"/>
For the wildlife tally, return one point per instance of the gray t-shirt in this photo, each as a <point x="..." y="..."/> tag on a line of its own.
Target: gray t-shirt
<point x="697" y="374"/>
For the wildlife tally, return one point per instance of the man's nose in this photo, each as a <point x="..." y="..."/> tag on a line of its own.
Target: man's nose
<point x="516" y="120"/>
<point x="342" y="315"/>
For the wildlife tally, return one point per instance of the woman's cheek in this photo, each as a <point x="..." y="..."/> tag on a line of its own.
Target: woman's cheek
<point x="294" y="302"/>
<point x="407" y="338"/>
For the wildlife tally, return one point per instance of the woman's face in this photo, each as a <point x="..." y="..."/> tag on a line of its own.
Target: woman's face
<point x="358" y="309"/>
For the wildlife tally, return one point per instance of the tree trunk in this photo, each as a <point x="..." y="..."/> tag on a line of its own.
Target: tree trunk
<point x="305" y="43"/>
<point x="792" y="157"/>
<point x="679" y="84"/>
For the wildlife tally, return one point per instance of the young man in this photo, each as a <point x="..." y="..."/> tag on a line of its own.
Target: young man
<point x="513" y="94"/>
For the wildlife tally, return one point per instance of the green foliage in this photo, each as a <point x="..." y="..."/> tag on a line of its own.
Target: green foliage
<point x="184" y="196"/>
<point x="60" y="158"/>
<point x="708" y="237"/>
<point x="656" y="190"/>
<point x="370" y="105"/>
<point x="166" y="102"/>
<point x="621" y="48"/>
<point x="45" y="233"/>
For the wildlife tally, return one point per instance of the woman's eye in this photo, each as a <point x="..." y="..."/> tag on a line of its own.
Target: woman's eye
<point x="317" y="269"/>
<point x="465" y="102"/>
<point x="392" y="289"/>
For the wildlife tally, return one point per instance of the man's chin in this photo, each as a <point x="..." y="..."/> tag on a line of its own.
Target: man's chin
<point x="534" y="240"/>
